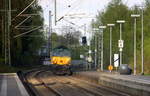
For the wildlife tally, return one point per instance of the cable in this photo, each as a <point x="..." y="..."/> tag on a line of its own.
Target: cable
<point x="70" y="9"/>
<point x="24" y="10"/>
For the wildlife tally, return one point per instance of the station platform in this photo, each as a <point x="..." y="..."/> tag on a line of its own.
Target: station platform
<point x="10" y="85"/>
<point x="137" y="85"/>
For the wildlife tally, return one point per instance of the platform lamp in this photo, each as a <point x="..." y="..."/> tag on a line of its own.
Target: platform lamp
<point x="102" y="46"/>
<point x="135" y="16"/>
<point x="110" y="27"/>
<point x="121" y="22"/>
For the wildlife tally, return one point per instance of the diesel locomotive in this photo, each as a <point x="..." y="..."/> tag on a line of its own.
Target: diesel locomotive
<point x="61" y="60"/>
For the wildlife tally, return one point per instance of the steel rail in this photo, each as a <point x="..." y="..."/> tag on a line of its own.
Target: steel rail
<point x="101" y="87"/>
<point x="46" y="85"/>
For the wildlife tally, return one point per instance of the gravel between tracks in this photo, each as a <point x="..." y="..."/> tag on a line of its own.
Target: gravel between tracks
<point x="71" y="86"/>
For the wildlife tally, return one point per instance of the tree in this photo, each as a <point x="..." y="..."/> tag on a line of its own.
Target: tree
<point x="68" y="37"/>
<point x="24" y="49"/>
<point x="116" y="10"/>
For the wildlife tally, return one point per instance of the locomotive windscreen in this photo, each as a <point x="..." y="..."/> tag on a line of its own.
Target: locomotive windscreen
<point x="61" y="51"/>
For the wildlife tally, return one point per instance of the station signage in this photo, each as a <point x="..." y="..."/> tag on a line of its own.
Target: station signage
<point x="120" y="43"/>
<point x="116" y="60"/>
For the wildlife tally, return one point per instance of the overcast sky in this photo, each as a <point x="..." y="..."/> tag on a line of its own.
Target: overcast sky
<point x="87" y="7"/>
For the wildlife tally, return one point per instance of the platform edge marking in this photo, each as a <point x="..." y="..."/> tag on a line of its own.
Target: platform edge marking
<point x="21" y="87"/>
<point x="3" y="91"/>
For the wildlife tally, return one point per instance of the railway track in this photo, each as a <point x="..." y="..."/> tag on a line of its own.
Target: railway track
<point x="48" y="84"/>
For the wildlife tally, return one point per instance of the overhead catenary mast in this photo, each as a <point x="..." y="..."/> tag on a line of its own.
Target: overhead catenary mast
<point x="7" y="31"/>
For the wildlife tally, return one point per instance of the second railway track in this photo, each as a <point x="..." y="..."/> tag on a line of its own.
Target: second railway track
<point x="48" y="84"/>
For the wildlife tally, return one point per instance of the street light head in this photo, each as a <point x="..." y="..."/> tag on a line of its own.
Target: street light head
<point x="102" y="27"/>
<point x="110" y="25"/>
<point x="95" y="29"/>
<point x="135" y="15"/>
<point x="120" y="21"/>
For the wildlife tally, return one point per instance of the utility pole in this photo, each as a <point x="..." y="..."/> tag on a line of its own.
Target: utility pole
<point x="121" y="41"/>
<point x="3" y="38"/>
<point x="55" y="9"/>
<point x="90" y="52"/>
<point x="95" y="50"/>
<point x="99" y="49"/>
<point x="142" y="41"/>
<point x="110" y="45"/>
<point x="86" y="55"/>
<point x="7" y="32"/>
<point x="102" y="46"/>
<point x="135" y="16"/>
<point x="95" y="44"/>
<point x="50" y="33"/>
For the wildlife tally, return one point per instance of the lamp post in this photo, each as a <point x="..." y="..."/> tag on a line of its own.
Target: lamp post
<point x="142" y="39"/>
<point x="110" y="26"/>
<point x="95" y="53"/>
<point x="102" y="46"/>
<point x="121" y="45"/>
<point x="55" y="10"/>
<point x="142" y="42"/>
<point x="135" y="16"/>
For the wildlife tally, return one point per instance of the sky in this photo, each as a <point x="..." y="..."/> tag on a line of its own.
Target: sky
<point x="87" y="9"/>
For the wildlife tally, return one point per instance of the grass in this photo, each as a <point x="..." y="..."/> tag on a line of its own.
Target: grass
<point x="8" y="69"/>
<point x="146" y="74"/>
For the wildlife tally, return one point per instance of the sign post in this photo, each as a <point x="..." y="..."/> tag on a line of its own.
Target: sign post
<point x="116" y="61"/>
<point x="120" y="45"/>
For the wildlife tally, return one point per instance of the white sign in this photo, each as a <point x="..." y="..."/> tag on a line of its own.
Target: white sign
<point x="120" y="49"/>
<point x="120" y="43"/>
<point x="90" y="51"/>
<point x="89" y="59"/>
<point x="116" y="60"/>
<point x="81" y="56"/>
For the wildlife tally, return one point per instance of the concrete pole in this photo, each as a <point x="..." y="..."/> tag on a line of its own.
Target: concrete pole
<point x="99" y="49"/>
<point x="135" y="16"/>
<point x="142" y="44"/>
<point x="110" y="45"/>
<point x="120" y="39"/>
<point x="102" y="43"/>
<point x="3" y="37"/>
<point x="50" y="33"/>
<point x="55" y="8"/>
<point x="110" y="25"/>
<point x="95" y="51"/>
<point x="7" y="32"/>
<point x="134" y="46"/>
<point x="120" y="22"/>
<point x="9" y="29"/>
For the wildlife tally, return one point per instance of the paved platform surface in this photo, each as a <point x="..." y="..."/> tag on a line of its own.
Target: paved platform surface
<point x="10" y="85"/>
<point x="136" y="78"/>
<point x="137" y="85"/>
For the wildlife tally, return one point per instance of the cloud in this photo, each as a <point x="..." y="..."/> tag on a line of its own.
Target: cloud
<point x="90" y="7"/>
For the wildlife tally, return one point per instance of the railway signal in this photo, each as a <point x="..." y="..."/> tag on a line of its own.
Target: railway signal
<point x="84" y="41"/>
